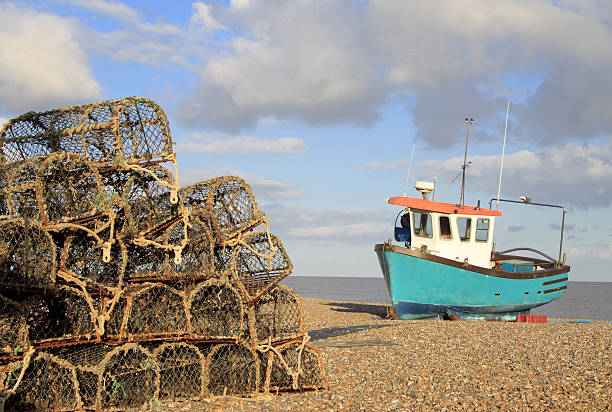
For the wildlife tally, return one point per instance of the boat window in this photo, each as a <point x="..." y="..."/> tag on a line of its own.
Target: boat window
<point x="422" y="224"/>
<point x="445" y="229"/>
<point x="482" y="230"/>
<point x="464" y="224"/>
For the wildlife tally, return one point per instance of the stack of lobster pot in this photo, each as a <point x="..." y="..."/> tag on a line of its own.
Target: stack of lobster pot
<point x="119" y="288"/>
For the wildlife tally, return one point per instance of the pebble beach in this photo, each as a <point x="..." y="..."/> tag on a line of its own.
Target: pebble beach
<point x="376" y="364"/>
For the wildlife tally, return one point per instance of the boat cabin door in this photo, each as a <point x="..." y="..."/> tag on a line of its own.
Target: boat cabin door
<point x="402" y="231"/>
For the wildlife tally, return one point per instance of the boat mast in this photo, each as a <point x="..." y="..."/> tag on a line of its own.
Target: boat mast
<point x="469" y="121"/>
<point x="501" y="167"/>
<point x="409" y="166"/>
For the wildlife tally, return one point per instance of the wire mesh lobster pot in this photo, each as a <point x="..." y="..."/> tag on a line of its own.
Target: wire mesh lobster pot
<point x="129" y="377"/>
<point x="27" y="254"/>
<point x="182" y="251"/>
<point x="232" y="369"/>
<point x="13" y="329"/>
<point x="61" y="315"/>
<point x="181" y="371"/>
<point x="18" y="189"/>
<point x="216" y="310"/>
<point x="293" y="366"/>
<point x="89" y="258"/>
<point x="44" y="382"/>
<point x="148" y="196"/>
<point x="259" y="262"/>
<point x="133" y="128"/>
<point x="69" y="188"/>
<point x="148" y="311"/>
<point x="277" y="316"/>
<point x="226" y="202"/>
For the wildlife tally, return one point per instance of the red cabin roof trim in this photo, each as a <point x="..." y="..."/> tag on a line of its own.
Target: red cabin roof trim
<point x="439" y="207"/>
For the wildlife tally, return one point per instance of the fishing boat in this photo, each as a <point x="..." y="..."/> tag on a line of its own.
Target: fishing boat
<point x="446" y="264"/>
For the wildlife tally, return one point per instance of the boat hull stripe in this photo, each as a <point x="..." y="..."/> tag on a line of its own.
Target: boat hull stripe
<point x="555" y="289"/>
<point x="550" y="282"/>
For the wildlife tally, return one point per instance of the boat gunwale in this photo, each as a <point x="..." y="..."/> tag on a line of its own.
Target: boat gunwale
<point x="478" y="269"/>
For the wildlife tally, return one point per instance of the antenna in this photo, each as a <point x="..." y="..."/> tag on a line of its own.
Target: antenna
<point x="469" y="121"/>
<point x="501" y="167"/>
<point x="409" y="166"/>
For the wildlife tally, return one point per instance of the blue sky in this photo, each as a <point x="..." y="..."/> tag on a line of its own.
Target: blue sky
<point x="316" y="104"/>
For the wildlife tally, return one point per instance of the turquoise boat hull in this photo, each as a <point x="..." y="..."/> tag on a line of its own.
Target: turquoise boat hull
<point x="422" y="285"/>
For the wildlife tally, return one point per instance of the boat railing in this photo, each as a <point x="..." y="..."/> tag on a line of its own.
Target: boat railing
<point x="528" y="249"/>
<point x="527" y="201"/>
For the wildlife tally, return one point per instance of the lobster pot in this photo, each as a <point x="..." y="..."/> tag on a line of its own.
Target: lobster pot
<point x="158" y="255"/>
<point x="77" y="316"/>
<point x="83" y="257"/>
<point x="134" y="128"/>
<point x="226" y="202"/>
<point x="86" y="360"/>
<point x="260" y="262"/>
<point x="149" y="198"/>
<point x="197" y="261"/>
<point x="181" y="371"/>
<point x="294" y="366"/>
<point x="48" y="383"/>
<point x="63" y="314"/>
<point x="13" y="330"/>
<point x="147" y="311"/>
<point x="232" y="369"/>
<point x="69" y="188"/>
<point x="27" y="254"/>
<point x="129" y="377"/>
<point x="216" y="310"/>
<point x="18" y="189"/>
<point x="155" y="310"/>
<point x="277" y="316"/>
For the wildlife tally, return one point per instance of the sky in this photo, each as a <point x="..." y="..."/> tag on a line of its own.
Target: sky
<point x="319" y="103"/>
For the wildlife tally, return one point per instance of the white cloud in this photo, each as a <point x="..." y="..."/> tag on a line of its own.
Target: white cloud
<point x="354" y="226"/>
<point x="122" y="12"/>
<point x="42" y="62"/>
<point x="575" y="175"/>
<point x="244" y="144"/>
<point x="202" y="15"/>
<point x="263" y="188"/>
<point x="292" y="60"/>
<point x="240" y="4"/>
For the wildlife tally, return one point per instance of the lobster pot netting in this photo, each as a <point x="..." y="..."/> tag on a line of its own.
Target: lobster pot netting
<point x="129" y="376"/>
<point x="226" y="202"/>
<point x="155" y="310"/>
<point x="46" y="383"/>
<point x="63" y="314"/>
<point x="18" y="189"/>
<point x="183" y="251"/>
<point x="13" y="331"/>
<point x="133" y="128"/>
<point x="27" y="254"/>
<point x="216" y="310"/>
<point x="232" y="369"/>
<point x="294" y="366"/>
<point x="158" y="254"/>
<point x="86" y="258"/>
<point x="181" y="371"/>
<point x="260" y="262"/>
<point x="147" y="198"/>
<point x="69" y="188"/>
<point x="277" y="316"/>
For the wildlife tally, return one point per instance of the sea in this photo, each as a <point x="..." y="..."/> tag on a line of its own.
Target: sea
<point x="582" y="300"/>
